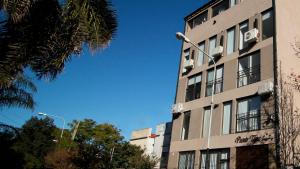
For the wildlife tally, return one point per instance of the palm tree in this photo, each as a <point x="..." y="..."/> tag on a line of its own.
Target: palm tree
<point x="42" y="35"/>
<point x="18" y="93"/>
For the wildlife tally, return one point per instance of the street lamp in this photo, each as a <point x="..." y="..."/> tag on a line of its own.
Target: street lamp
<point x="181" y="36"/>
<point x="59" y="117"/>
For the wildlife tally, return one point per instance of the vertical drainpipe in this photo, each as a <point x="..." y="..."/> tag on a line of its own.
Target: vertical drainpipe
<point x="276" y="69"/>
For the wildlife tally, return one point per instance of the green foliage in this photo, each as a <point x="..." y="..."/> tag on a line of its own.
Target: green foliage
<point x="18" y="93"/>
<point x="8" y="156"/>
<point x="36" y="139"/>
<point x="43" y="35"/>
<point x="98" y="146"/>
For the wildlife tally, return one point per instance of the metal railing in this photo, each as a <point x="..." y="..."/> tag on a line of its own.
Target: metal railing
<point x="248" y="121"/>
<point x="248" y="76"/>
<point x="218" y="86"/>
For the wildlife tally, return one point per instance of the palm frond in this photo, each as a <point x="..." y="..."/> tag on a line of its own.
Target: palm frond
<point x="16" y="9"/>
<point x="19" y="93"/>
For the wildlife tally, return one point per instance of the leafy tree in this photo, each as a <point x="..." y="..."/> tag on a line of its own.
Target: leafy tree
<point x="61" y="158"/>
<point x="8" y="156"/>
<point x="36" y="140"/>
<point x="43" y="35"/>
<point x="102" y="146"/>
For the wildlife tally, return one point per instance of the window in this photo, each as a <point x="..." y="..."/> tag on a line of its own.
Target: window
<point x="249" y="69"/>
<point x="185" y="126"/>
<point x="186" y="160"/>
<point x="267" y="24"/>
<point x="219" y="8"/>
<point x="230" y="41"/>
<point x="232" y="3"/>
<point x="198" y="20"/>
<point x="226" y="118"/>
<point x="212" y="44"/>
<point x="215" y="159"/>
<point x="206" y="121"/>
<point x="248" y="114"/>
<point x="218" y="81"/>
<point x="188" y="62"/>
<point x="243" y="29"/>
<point x="200" y="59"/>
<point x="186" y="55"/>
<point x="193" y="90"/>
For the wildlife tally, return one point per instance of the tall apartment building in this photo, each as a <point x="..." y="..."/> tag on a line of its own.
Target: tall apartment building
<point x="250" y="40"/>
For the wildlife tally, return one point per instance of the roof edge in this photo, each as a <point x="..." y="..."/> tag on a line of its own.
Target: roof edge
<point x="202" y="8"/>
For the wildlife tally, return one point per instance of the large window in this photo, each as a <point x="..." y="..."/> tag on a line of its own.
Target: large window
<point x="249" y="69"/>
<point x="200" y="59"/>
<point x="230" y="40"/>
<point x="243" y="29"/>
<point x="218" y="81"/>
<point x="206" y="121"/>
<point x="186" y="160"/>
<point x="226" y="118"/>
<point x="212" y="44"/>
<point x="267" y="24"/>
<point x="221" y="7"/>
<point x="193" y="90"/>
<point x="248" y="114"/>
<point x="185" y="126"/>
<point x="198" y="20"/>
<point x="215" y="159"/>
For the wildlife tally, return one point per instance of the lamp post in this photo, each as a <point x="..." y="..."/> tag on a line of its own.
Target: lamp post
<point x="181" y="36"/>
<point x="59" y="117"/>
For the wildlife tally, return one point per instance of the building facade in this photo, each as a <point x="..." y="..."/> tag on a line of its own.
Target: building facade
<point x="162" y="144"/>
<point x="249" y="40"/>
<point x="144" y="139"/>
<point x="155" y="145"/>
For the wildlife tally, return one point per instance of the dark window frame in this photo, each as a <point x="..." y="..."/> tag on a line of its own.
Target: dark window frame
<point x="262" y="23"/>
<point x="191" y="153"/>
<point x="193" y="91"/>
<point x="248" y="117"/>
<point x="219" y="159"/>
<point x="230" y="118"/>
<point x="253" y="71"/>
<point x="201" y="18"/>
<point x="185" y="135"/>
<point x="224" y="5"/>
<point x="217" y="81"/>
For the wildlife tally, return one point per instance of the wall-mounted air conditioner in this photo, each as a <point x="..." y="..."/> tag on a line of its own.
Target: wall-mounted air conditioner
<point x="177" y="108"/>
<point x="188" y="65"/>
<point x="266" y="88"/>
<point x="217" y="51"/>
<point x="252" y="35"/>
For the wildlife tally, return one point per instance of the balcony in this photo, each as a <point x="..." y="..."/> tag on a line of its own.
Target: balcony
<point x="248" y="76"/>
<point x="248" y="121"/>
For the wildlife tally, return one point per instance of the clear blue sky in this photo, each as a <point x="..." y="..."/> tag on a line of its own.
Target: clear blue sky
<point x="131" y="84"/>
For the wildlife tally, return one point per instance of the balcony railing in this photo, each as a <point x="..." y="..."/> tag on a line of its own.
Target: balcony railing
<point x="248" y="121"/>
<point x="248" y="76"/>
<point x="218" y="86"/>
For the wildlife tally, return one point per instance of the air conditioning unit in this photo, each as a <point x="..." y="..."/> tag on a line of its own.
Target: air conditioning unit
<point x="177" y="108"/>
<point x="188" y="64"/>
<point x="217" y="51"/>
<point x="251" y="36"/>
<point x="266" y="88"/>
